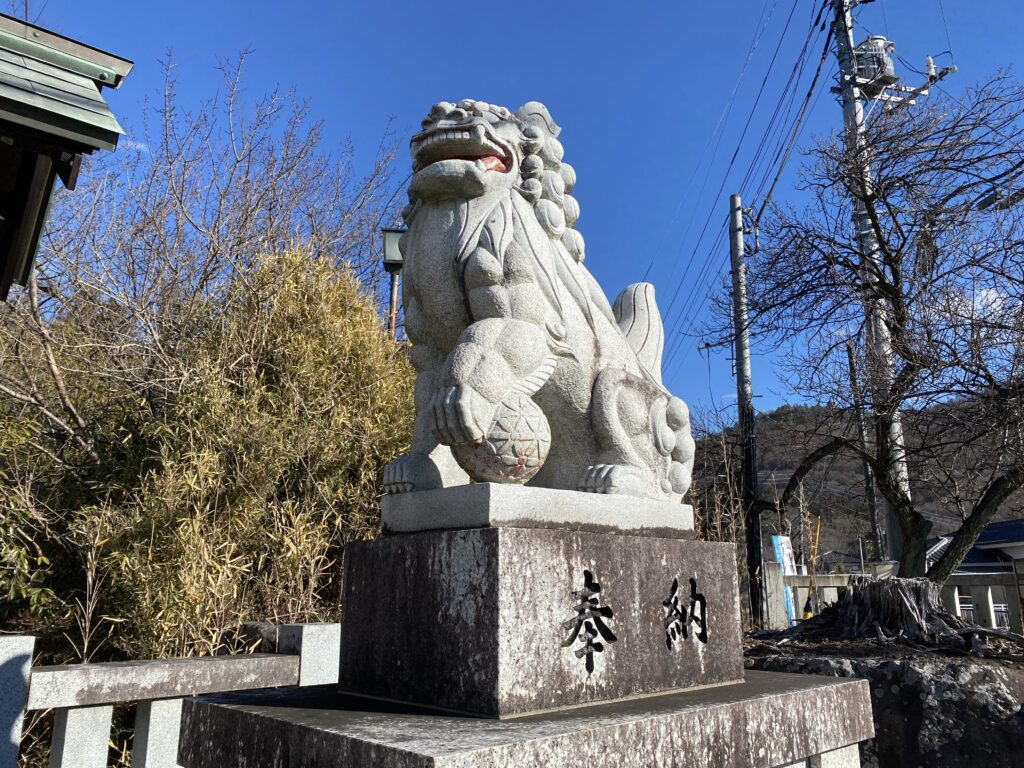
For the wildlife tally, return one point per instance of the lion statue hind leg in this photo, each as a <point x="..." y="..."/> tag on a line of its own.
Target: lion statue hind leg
<point x="630" y="461"/>
<point x="643" y="431"/>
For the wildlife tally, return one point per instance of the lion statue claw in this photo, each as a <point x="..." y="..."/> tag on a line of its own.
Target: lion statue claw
<point x="524" y="372"/>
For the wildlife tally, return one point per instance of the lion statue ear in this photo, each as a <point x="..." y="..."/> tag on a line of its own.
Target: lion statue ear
<point x="535" y="113"/>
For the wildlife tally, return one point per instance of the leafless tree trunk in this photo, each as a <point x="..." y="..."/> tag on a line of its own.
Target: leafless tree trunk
<point x="947" y="209"/>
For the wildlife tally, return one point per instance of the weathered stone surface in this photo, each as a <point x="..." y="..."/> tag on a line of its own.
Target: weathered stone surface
<point x="847" y="757"/>
<point x="767" y="721"/>
<point x="478" y="620"/>
<point x="81" y="737"/>
<point x="525" y="372"/>
<point x="317" y="646"/>
<point x="75" y="685"/>
<point x="940" y="714"/>
<point x="492" y="505"/>
<point x="157" y="731"/>
<point x="15" y="666"/>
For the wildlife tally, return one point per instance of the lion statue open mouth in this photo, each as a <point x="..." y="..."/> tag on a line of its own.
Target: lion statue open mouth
<point x="525" y="373"/>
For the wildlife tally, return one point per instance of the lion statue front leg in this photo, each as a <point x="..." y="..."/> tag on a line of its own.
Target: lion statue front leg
<point x="429" y="464"/>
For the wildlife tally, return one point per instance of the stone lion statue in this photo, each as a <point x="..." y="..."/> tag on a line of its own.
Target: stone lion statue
<point x="524" y="372"/>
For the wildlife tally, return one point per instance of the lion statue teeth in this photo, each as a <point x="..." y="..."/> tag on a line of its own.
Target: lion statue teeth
<point x="524" y="371"/>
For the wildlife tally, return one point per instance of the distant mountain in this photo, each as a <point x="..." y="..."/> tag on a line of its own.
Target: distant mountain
<point x="833" y="491"/>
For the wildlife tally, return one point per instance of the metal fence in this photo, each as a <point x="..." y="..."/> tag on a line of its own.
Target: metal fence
<point x="83" y="695"/>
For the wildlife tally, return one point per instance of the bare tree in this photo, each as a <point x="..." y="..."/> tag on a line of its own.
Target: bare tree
<point x="946" y="209"/>
<point x="154" y="234"/>
<point x="220" y="265"/>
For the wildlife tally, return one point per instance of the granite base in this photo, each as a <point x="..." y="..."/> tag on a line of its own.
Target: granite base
<point x="769" y="720"/>
<point x="494" y="505"/>
<point x="506" y="621"/>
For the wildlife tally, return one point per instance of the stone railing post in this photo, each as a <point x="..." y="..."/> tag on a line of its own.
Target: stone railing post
<point x="158" y="723"/>
<point x="956" y="603"/>
<point x="947" y="595"/>
<point x="15" y="668"/>
<point x="318" y="647"/>
<point x="1014" y="591"/>
<point x="775" y="587"/>
<point x="157" y="727"/>
<point x="81" y="737"/>
<point x="847" y="757"/>
<point x="988" y="608"/>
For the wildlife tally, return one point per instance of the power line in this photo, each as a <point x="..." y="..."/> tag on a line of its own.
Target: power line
<point x="723" y="117"/>
<point x="776" y="130"/>
<point x="796" y="127"/>
<point x="945" y="26"/>
<point x="678" y="335"/>
<point x="739" y="146"/>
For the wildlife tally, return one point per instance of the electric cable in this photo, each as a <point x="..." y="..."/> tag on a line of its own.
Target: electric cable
<point x="796" y="129"/>
<point x="677" y="334"/>
<point x="723" y="118"/>
<point x="739" y="146"/>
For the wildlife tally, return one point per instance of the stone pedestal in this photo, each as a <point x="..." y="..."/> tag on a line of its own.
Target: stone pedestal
<point x="491" y="505"/>
<point x="555" y="633"/>
<point x="485" y="621"/>
<point x="767" y="721"/>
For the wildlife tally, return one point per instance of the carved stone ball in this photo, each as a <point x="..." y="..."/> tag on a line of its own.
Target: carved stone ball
<point x="516" y="445"/>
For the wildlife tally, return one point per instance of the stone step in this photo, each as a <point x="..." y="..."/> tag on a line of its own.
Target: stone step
<point x="768" y="720"/>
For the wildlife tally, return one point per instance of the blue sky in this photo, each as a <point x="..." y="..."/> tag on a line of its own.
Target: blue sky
<point x="640" y="89"/>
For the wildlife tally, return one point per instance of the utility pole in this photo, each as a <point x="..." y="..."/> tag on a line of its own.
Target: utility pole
<point x="393" y="308"/>
<point x="880" y="357"/>
<point x="802" y="509"/>
<point x="862" y="435"/>
<point x="745" y="401"/>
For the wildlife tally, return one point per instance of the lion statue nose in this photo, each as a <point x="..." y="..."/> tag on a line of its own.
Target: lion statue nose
<point x="444" y="110"/>
<point x="440" y="110"/>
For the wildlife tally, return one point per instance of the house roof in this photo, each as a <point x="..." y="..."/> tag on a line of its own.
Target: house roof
<point x="1007" y="532"/>
<point x="50" y="85"/>
<point x="986" y="553"/>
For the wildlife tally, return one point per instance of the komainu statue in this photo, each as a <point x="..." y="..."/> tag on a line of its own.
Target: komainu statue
<point x="525" y="373"/>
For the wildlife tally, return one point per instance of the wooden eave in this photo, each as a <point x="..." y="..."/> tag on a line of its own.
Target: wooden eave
<point x="51" y="84"/>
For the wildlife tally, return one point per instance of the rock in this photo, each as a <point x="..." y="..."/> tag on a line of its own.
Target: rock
<point x="939" y="714"/>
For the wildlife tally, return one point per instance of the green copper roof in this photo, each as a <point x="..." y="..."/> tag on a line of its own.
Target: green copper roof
<point x="51" y="84"/>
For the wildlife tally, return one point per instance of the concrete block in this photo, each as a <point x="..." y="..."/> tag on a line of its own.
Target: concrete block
<point x="775" y="588"/>
<point x="81" y="737"/>
<point x="885" y="569"/>
<point x="846" y="757"/>
<point x="486" y="621"/>
<point x="493" y="505"/>
<point x="768" y="720"/>
<point x="987" y="617"/>
<point x="318" y="647"/>
<point x="1014" y="600"/>
<point x="157" y="731"/>
<point x="15" y="668"/>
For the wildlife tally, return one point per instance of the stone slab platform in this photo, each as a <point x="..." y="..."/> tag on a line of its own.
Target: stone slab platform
<point x="486" y="621"/>
<point x="769" y="720"/>
<point x="494" y="505"/>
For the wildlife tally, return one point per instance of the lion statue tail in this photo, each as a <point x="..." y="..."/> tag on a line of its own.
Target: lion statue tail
<point x="638" y="318"/>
